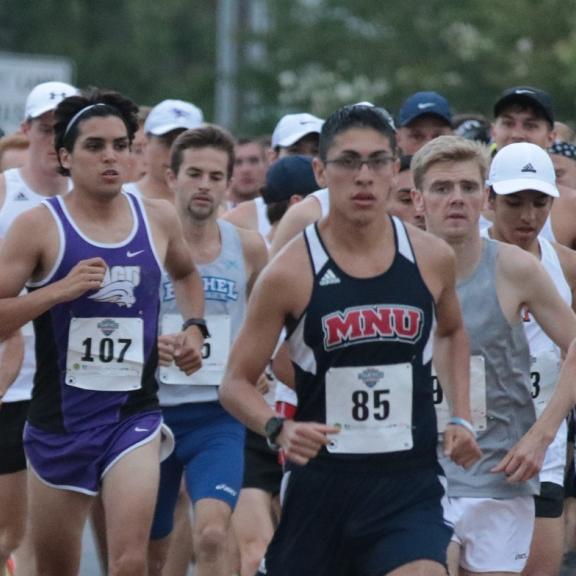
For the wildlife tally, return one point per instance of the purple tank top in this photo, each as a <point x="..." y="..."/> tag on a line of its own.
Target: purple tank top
<point x="97" y="355"/>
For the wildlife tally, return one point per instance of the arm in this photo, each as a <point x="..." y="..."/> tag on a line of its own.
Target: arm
<point x="556" y="318"/>
<point x="452" y="362"/>
<point x="24" y="254"/>
<point x="189" y="293"/>
<point x="10" y="361"/>
<point x="275" y="296"/>
<point x="298" y="217"/>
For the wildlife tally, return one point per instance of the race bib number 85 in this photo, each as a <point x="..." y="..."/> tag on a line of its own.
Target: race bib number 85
<point x="372" y="406"/>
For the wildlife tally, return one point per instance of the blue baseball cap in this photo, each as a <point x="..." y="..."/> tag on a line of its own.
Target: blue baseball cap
<point x="424" y="104"/>
<point x="289" y="176"/>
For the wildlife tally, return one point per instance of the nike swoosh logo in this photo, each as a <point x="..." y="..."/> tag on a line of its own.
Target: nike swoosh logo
<point x="132" y="254"/>
<point x="304" y="122"/>
<point x="137" y="429"/>
<point x="425" y="105"/>
<point x="523" y="92"/>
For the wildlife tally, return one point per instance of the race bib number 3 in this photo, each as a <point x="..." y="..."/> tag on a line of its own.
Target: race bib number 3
<point x="477" y="396"/>
<point x="105" y="354"/>
<point x="214" y="353"/>
<point x="372" y="406"/>
<point x="544" y="372"/>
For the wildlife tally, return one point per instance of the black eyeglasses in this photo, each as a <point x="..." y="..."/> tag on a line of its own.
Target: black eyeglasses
<point x="355" y="163"/>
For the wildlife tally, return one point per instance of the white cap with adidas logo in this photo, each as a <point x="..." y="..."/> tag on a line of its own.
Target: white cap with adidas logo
<point x="522" y="166"/>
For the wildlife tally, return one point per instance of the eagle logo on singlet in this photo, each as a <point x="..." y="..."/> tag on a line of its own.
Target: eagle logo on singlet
<point x="393" y="323"/>
<point x="118" y="286"/>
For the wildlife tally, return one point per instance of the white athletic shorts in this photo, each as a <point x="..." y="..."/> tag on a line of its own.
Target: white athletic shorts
<point x="494" y="535"/>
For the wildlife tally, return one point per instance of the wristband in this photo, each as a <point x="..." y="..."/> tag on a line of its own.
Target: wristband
<point x="200" y="323"/>
<point x="457" y="421"/>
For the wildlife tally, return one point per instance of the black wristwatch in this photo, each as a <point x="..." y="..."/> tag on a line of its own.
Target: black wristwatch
<point x="272" y="430"/>
<point x="200" y="322"/>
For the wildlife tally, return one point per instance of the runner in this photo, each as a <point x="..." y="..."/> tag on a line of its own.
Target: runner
<point x="92" y="261"/>
<point x="209" y="442"/>
<point x="400" y="202"/>
<point x="526" y="114"/>
<point x="521" y="202"/>
<point x="288" y="181"/>
<point x="362" y="447"/>
<point x="423" y="116"/>
<point x="491" y="505"/>
<point x="162" y="126"/>
<point x="22" y="189"/>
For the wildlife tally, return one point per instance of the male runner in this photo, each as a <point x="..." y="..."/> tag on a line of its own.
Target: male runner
<point x="92" y="261"/>
<point x="249" y="171"/>
<point x="521" y="202"/>
<point x="295" y="134"/>
<point x="491" y="505"/>
<point x="162" y="126"/>
<point x="209" y="442"/>
<point x="423" y="116"/>
<point x="526" y="114"/>
<point x="358" y="293"/>
<point x="22" y="189"/>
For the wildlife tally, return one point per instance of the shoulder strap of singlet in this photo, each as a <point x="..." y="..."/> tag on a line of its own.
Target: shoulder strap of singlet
<point x="402" y="240"/>
<point x="316" y="251"/>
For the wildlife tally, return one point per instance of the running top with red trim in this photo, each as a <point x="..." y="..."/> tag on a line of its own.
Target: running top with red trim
<point x="362" y="353"/>
<point x="97" y="355"/>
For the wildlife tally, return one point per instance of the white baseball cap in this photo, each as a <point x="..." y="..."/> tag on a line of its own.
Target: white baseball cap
<point x="172" y="114"/>
<point x="522" y="166"/>
<point x="292" y="127"/>
<point x="45" y="97"/>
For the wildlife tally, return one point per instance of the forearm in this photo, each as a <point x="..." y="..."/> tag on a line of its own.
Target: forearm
<point x="241" y="399"/>
<point x="189" y="292"/>
<point x="452" y="362"/>
<point x="17" y="311"/>
<point x="11" y="356"/>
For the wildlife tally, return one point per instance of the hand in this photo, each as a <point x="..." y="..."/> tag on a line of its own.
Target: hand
<point x="461" y="446"/>
<point x="302" y="441"/>
<point x="188" y="350"/>
<point x="166" y="349"/>
<point x="524" y="460"/>
<point x="86" y="275"/>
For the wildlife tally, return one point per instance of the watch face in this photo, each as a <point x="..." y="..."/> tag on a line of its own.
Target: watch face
<point x="273" y="427"/>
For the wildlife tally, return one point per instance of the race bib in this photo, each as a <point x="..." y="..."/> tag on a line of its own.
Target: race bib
<point x="544" y="372"/>
<point x="215" y="351"/>
<point x="477" y="396"/>
<point x="105" y="354"/>
<point x="372" y="406"/>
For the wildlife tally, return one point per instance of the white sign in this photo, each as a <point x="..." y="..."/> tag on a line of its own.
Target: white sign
<point x="19" y="73"/>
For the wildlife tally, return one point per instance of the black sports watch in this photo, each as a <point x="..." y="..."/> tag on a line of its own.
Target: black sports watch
<point x="200" y="322"/>
<point x="272" y="430"/>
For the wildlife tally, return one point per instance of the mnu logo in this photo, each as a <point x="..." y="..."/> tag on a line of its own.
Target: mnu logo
<point x="371" y="324"/>
<point x="118" y="286"/>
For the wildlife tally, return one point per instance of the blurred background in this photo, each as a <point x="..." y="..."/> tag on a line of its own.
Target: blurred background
<point x="247" y="62"/>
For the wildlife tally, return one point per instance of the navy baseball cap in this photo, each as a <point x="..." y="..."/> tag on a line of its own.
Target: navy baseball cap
<point x="526" y="95"/>
<point x="425" y="104"/>
<point x="289" y="176"/>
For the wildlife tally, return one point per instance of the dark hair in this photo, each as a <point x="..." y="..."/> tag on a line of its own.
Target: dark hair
<point x="405" y="162"/>
<point x="96" y="103"/>
<point x="356" y="116"/>
<point x="207" y="136"/>
<point x="276" y="210"/>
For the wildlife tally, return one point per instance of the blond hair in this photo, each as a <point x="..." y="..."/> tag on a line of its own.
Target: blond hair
<point x="448" y="149"/>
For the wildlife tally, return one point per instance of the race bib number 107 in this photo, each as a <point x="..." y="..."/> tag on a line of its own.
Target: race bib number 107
<point x="105" y="354"/>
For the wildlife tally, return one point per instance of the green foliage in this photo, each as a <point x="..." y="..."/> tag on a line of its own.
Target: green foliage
<point x="319" y="54"/>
